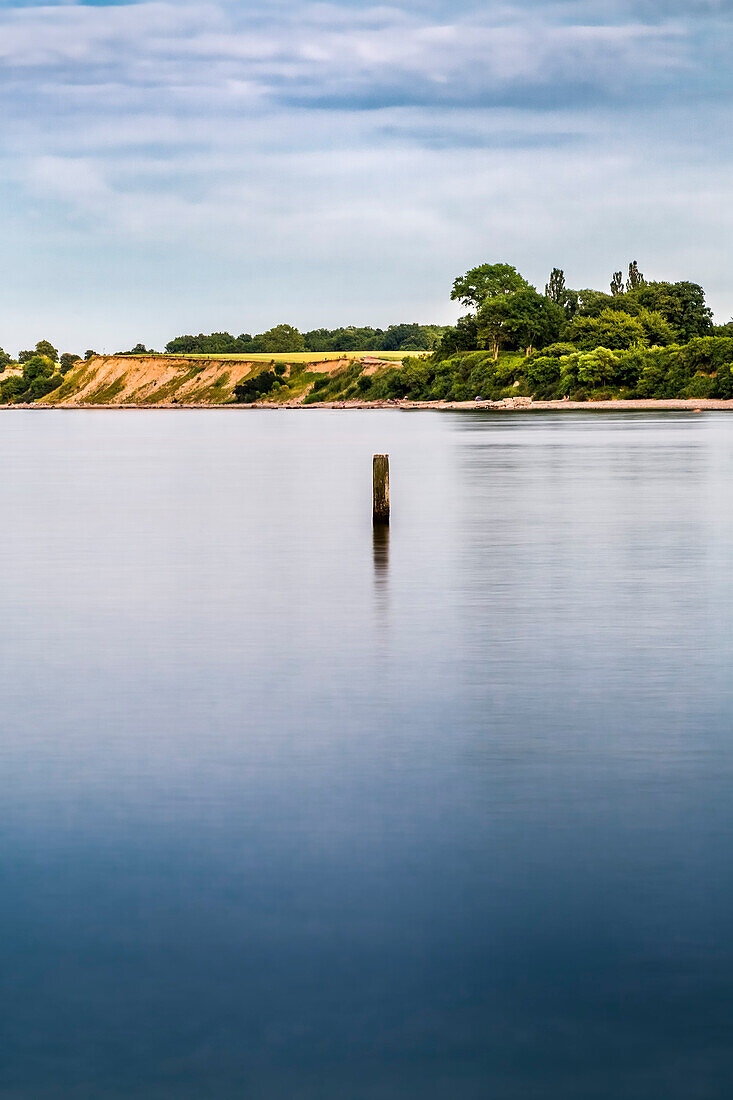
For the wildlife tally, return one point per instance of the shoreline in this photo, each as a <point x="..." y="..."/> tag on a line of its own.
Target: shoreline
<point x="625" y="405"/>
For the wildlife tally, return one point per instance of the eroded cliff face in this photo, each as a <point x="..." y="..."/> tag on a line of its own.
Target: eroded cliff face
<point x="165" y="380"/>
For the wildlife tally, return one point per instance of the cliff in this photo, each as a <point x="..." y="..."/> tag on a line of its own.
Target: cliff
<point x="166" y="380"/>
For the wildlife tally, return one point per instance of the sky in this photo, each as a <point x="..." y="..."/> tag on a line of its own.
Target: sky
<point x="173" y="167"/>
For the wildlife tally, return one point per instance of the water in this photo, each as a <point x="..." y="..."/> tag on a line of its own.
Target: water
<point x="289" y="811"/>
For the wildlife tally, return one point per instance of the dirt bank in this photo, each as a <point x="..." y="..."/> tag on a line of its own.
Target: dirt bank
<point x="160" y="381"/>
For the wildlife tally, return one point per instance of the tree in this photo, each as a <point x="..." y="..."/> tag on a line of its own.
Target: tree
<point x="37" y="380"/>
<point x="555" y="289"/>
<point x="597" y="367"/>
<point x="11" y="389"/>
<point x="36" y="367"/>
<point x="571" y="303"/>
<point x="5" y="360"/>
<point x="400" y="337"/>
<point x="463" y="336"/>
<point x="282" y="338"/>
<point x="658" y="331"/>
<point x="319" y="339"/>
<point x="611" y="329"/>
<point x="532" y="319"/>
<point x="89" y="354"/>
<point x="67" y="361"/>
<point x="216" y="343"/>
<point x="492" y="322"/>
<point x="617" y="283"/>
<point x="592" y="302"/>
<point x="43" y="347"/>
<point x="681" y="304"/>
<point x="635" y="279"/>
<point x="487" y="281"/>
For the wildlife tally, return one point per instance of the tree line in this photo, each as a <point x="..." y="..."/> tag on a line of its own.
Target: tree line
<point x="285" y="338"/>
<point x="642" y="338"/>
<point x="507" y="313"/>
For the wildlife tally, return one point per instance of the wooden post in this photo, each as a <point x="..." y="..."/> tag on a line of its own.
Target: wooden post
<point x="381" y="489"/>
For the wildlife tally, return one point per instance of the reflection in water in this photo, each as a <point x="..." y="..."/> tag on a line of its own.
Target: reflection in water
<point x="381" y="552"/>
<point x="380" y="548"/>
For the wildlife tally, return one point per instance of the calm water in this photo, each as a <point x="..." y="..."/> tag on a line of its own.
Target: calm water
<point x="291" y="813"/>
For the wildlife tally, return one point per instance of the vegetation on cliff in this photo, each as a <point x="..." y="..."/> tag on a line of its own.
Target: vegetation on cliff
<point x="643" y="339"/>
<point x="639" y="340"/>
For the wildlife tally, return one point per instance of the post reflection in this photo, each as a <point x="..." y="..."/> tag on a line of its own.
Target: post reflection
<point x="380" y="548"/>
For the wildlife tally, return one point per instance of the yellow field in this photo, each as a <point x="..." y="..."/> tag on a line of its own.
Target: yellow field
<point x="301" y="356"/>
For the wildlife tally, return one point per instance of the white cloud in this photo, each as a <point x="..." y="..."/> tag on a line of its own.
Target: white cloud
<point x="378" y="147"/>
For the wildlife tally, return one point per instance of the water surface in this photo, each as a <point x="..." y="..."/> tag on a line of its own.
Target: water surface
<point x="292" y="811"/>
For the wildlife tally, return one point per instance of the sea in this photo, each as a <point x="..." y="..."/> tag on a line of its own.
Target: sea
<point x="293" y="808"/>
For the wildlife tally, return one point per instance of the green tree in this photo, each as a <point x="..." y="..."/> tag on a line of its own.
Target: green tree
<point x="39" y="366"/>
<point x="617" y="284"/>
<point x="5" y="360"/>
<point x="405" y="337"/>
<point x="611" y="329"/>
<point x="597" y="368"/>
<point x="43" y="347"/>
<point x="463" y="336"/>
<point x="89" y="354"/>
<point x="635" y="279"/>
<point x="681" y="304"/>
<point x="282" y="338"/>
<point x="493" y="317"/>
<point x="593" y="302"/>
<point x="555" y="290"/>
<point x="486" y="281"/>
<point x="38" y="379"/>
<point x="657" y="330"/>
<point x="320" y="339"/>
<point x="67" y="361"/>
<point x="11" y="388"/>
<point x="532" y="319"/>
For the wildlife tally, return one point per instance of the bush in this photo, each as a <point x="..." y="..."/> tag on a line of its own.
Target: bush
<point x="543" y="376"/>
<point x="250" y="389"/>
<point x="612" y="329"/>
<point x="41" y="386"/>
<point x="700" y="385"/>
<point x="556" y="351"/>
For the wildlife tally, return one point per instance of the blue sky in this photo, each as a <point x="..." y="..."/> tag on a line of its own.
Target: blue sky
<point x="186" y="166"/>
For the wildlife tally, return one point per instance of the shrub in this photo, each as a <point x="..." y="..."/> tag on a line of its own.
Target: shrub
<point x="250" y="389"/>
<point x="556" y="351"/>
<point x="612" y="329"/>
<point x="700" y="385"/>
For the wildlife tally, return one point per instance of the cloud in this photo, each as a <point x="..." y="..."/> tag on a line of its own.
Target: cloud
<point x="328" y="137"/>
<point x="329" y="56"/>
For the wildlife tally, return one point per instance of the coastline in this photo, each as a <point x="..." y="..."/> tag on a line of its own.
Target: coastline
<point x="639" y="405"/>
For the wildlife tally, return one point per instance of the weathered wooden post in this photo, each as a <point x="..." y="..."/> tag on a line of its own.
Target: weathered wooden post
<point x="381" y="489"/>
